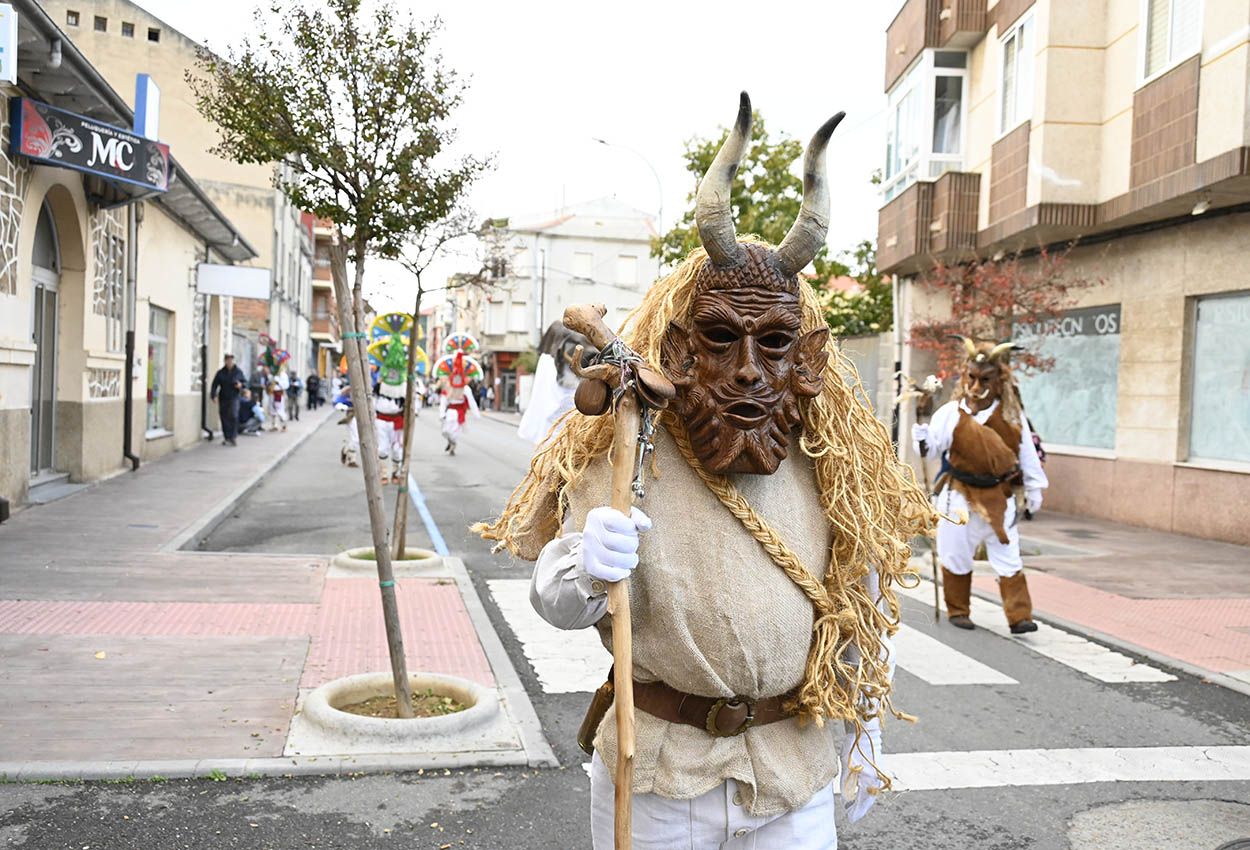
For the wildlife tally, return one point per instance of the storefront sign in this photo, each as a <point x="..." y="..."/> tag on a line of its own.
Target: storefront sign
<point x="54" y="136"/>
<point x="8" y="44"/>
<point x="1085" y="321"/>
<point x="236" y="281"/>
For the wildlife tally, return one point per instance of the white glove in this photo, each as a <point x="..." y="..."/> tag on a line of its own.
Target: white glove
<point x="1033" y="500"/>
<point x="610" y="543"/>
<point x="859" y="777"/>
<point x="919" y="432"/>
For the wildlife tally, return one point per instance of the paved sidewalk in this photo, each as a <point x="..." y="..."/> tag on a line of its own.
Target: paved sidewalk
<point x="1176" y="599"/>
<point x="124" y="654"/>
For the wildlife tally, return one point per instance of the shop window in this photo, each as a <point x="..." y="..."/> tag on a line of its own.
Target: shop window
<point x="1074" y="403"/>
<point x="159" y="325"/>
<point x="583" y="264"/>
<point x="128" y="30"/>
<point x="925" y="121"/>
<point x="71" y="18"/>
<point x="1016" y="104"/>
<point x="101" y="23"/>
<point x="1173" y="33"/>
<point x="154" y="34"/>
<point x="1219" y="424"/>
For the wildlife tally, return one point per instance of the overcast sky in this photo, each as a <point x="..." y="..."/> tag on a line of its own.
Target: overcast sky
<point x="547" y="77"/>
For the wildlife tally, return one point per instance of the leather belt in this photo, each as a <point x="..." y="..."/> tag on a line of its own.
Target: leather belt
<point x="721" y="718"/>
<point x="976" y="479"/>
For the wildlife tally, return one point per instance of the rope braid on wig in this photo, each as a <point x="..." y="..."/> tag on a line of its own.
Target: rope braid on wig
<point x="870" y="500"/>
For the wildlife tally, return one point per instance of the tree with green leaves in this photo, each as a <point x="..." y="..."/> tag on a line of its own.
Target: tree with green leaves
<point x="765" y="197"/>
<point x="867" y="310"/>
<point x="357" y="109"/>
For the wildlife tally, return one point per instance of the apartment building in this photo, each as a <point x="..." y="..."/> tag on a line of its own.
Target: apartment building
<point x="105" y="338"/>
<point x="594" y="252"/>
<point x="122" y="39"/>
<point x="1124" y="125"/>
<point x="325" y="313"/>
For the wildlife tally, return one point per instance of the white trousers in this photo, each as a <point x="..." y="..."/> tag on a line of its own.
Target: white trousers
<point x="714" y="821"/>
<point x="957" y="543"/>
<point x="390" y="439"/>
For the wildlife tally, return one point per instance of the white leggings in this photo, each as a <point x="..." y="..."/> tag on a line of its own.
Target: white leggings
<point x="957" y="543"/>
<point x="712" y="821"/>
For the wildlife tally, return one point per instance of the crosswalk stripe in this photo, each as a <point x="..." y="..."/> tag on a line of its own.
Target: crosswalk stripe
<point x="1004" y="768"/>
<point x="565" y="662"/>
<point x="934" y="662"/>
<point x="1092" y="659"/>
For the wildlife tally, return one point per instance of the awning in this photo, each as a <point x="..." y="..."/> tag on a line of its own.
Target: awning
<point x="52" y="69"/>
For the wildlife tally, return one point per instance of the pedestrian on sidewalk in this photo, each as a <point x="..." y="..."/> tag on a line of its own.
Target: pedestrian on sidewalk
<point x="763" y="580"/>
<point x="251" y="417"/>
<point x="985" y="443"/>
<point x="227" y="384"/>
<point x="278" y="386"/>
<point x="313" y="385"/>
<point x="297" y="389"/>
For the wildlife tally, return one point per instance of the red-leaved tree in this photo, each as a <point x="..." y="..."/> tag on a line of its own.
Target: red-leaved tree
<point x="990" y="298"/>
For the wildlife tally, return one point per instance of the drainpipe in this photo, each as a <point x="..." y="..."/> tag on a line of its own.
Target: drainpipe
<point x="132" y="264"/>
<point x="208" y="432"/>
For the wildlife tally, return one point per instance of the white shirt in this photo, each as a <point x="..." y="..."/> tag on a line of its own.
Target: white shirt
<point x="942" y="429"/>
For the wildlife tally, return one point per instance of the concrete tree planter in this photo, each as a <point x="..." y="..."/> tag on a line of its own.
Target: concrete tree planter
<point x="360" y="560"/>
<point x="339" y="731"/>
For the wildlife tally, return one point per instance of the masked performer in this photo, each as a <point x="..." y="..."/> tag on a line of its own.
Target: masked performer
<point x="455" y="401"/>
<point x="554" y="382"/>
<point x="984" y="440"/>
<point x="762" y="559"/>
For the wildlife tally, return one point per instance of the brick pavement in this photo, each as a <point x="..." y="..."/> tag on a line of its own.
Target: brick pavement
<point x="118" y="651"/>
<point x="1170" y="596"/>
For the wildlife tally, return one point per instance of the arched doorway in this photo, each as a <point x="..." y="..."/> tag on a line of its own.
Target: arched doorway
<point x="46" y="280"/>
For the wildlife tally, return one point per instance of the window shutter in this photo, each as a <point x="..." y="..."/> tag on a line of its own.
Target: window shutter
<point x="1158" y="26"/>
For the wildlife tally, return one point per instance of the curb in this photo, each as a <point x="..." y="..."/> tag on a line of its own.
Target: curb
<point x="35" y="771"/>
<point x="516" y="701"/>
<point x="1119" y="643"/>
<point x="216" y="515"/>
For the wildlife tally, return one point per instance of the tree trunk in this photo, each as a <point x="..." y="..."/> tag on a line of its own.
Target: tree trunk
<point x="352" y="320"/>
<point x="400" y="532"/>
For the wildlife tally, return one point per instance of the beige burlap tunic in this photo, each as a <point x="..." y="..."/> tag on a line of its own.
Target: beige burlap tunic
<point x="712" y="616"/>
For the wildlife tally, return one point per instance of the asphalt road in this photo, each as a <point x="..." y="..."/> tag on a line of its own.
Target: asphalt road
<point x="1024" y="708"/>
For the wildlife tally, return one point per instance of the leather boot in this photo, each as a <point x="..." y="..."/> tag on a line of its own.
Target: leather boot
<point x="957" y="589"/>
<point x="1017" y="604"/>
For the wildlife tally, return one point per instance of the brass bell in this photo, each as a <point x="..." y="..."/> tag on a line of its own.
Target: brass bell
<point x="593" y="397"/>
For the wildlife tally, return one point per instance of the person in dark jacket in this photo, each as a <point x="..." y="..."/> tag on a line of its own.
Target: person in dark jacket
<point x="227" y="383"/>
<point x="313" y="385"/>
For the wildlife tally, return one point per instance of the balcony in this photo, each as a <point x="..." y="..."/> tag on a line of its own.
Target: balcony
<point x="920" y="24"/>
<point x="929" y="221"/>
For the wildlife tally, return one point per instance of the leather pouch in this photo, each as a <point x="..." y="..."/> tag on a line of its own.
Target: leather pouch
<point x="599" y="705"/>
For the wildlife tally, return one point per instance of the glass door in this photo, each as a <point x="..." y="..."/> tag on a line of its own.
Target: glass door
<point x="43" y="376"/>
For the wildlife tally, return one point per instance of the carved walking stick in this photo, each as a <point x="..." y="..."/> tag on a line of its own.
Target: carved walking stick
<point x="618" y="380"/>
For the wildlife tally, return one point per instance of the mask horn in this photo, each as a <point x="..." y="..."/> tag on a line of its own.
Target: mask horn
<point x="970" y="347"/>
<point x="1000" y="351"/>
<point x="812" y="226"/>
<point x="713" y="215"/>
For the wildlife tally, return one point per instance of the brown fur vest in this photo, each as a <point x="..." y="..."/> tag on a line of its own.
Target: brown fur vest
<point x="991" y="450"/>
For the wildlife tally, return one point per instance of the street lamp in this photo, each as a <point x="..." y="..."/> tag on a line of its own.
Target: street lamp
<point x="659" y="220"/>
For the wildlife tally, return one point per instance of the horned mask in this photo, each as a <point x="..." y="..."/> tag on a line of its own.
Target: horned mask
<point x="986" y="371"/>
<point x="740" y="362"/>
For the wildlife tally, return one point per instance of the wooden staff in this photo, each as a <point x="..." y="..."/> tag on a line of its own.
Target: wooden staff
<point x="595" y="396"/>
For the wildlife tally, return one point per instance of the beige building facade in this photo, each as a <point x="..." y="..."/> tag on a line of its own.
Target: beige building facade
<point x="122" y="39"/>
<point x="1122" y="126"/>
<point x="97" y="285"/>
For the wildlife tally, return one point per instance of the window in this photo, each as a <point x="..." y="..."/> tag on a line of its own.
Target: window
<point x="154" y="34"/>
<point x="497" y="317"/>
<point x="627" y="270"/>
<point x="71" y="18"/>
<point x="518" y="320"/>
<point x="1074" y="403"/>
<point x="583" y="264"/>
<point x="1219" y="424"/>
<point x="159" y="323"/>
<point x="521" y="265"/>
<point x="101" y="24"/>
<point x="1173" y="33"/>
<point x="128" y="30"/>
<point x="925" y="122"/>
<point x="1016" y="104"/>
